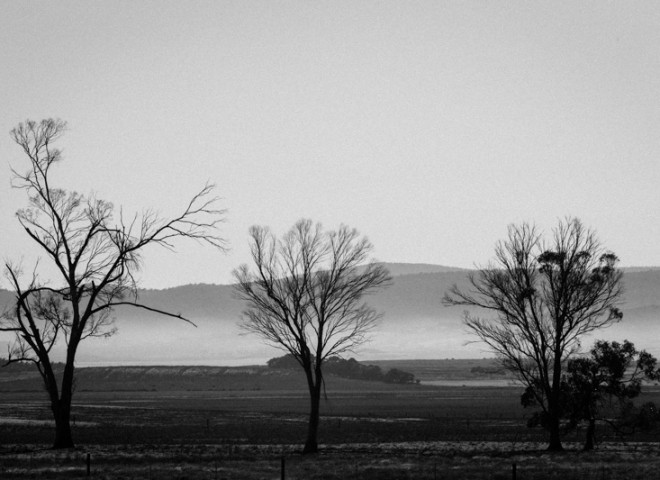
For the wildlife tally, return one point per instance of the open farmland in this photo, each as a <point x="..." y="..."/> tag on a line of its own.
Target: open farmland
<point x="210" y="422"/>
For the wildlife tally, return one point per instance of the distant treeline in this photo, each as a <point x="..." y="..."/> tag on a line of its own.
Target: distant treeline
<point x="350" y="368"/>
<point x="18" y="366"/>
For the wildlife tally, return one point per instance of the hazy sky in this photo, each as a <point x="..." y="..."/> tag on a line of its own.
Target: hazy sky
<point x="428" y="126"/>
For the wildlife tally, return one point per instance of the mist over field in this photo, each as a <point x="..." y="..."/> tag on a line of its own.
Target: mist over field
<point x="415" y="323"/>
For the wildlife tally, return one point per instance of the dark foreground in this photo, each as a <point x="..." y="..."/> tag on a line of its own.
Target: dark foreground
<point x="373" y="431"/>
<point x="382" y="461"/>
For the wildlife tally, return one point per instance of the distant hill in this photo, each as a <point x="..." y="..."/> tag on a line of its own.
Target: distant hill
<point x="398" y="269"/>
<point x="415" y="323"/>
<point x="17" y="377"/>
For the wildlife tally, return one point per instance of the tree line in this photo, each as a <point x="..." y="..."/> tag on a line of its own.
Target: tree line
<point x="304" y="294"/>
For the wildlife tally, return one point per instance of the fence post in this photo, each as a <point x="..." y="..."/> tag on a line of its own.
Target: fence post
<point x="513" y="471"/>
<point x="89" y="464"/>
<point x="283" y="461"/>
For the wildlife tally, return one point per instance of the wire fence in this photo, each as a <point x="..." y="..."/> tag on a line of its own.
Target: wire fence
<point x="135" y="462"/>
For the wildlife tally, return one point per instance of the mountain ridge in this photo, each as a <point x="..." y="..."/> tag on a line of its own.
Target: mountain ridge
<point x="415" y="323"/>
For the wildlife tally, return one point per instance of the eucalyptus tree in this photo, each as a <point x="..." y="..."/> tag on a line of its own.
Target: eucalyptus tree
<point x="538" y="299"/>
<point x="94" y="259"/>
<point x="305" y="297"/>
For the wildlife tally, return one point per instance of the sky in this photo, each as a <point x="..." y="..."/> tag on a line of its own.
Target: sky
<point x="427" y="125"/>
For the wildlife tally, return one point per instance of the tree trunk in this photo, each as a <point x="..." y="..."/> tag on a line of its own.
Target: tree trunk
<point x="591" y="435"/>
<point x="62" y="414"/>
<point x="555" y="434"/>
<point x="555" y="441"/>
<point x="61" y="406"/>
<point x="554" y="399"/>
<point x="311" y="445"/>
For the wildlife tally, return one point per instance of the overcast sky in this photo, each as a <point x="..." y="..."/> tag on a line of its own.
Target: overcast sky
<point x="428" y="126"/>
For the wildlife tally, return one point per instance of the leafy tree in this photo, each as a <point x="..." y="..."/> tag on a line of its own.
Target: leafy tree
<point x="543" y="297"/>
<point x="94" y="257"/>
<point x="306" y="298"/>
<point x="607" y="381"/>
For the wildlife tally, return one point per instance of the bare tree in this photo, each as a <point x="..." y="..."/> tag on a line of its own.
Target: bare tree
<point x="306" y="298"/>
<point x="94" y="260"/>
<point x="545" y="297"/>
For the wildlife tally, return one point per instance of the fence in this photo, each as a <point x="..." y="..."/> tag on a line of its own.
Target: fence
<point x="219" y="465"/>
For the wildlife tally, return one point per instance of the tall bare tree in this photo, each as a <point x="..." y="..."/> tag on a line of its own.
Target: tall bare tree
<point x="544" y="297"/>
<point x="305" y="297"/>
<point x="94" y="260"/>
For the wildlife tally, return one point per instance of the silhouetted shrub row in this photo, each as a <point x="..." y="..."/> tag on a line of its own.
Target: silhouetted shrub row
<point x="350" y="368"/>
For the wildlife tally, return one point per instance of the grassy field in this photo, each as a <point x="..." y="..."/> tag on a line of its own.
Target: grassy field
<point x="240" y="424"/>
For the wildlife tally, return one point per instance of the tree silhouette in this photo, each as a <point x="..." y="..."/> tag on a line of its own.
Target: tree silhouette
<point x="306" y="298"/>
<point x="94" y="259"/>
<point x="544" y="297"/>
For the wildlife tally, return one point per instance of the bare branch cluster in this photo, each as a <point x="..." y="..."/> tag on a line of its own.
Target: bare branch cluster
<point x="96" y="258"/>
<point x="306" y="293"/>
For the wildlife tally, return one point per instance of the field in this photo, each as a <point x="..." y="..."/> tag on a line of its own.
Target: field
<point x="248" y="423"/>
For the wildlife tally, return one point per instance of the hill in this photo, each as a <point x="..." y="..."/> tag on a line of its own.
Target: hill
<point x="415" y="323"/>
<point x="398" y="269"/>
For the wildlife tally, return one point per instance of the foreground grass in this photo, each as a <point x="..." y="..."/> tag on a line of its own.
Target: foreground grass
<point x="410" y="460"/>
